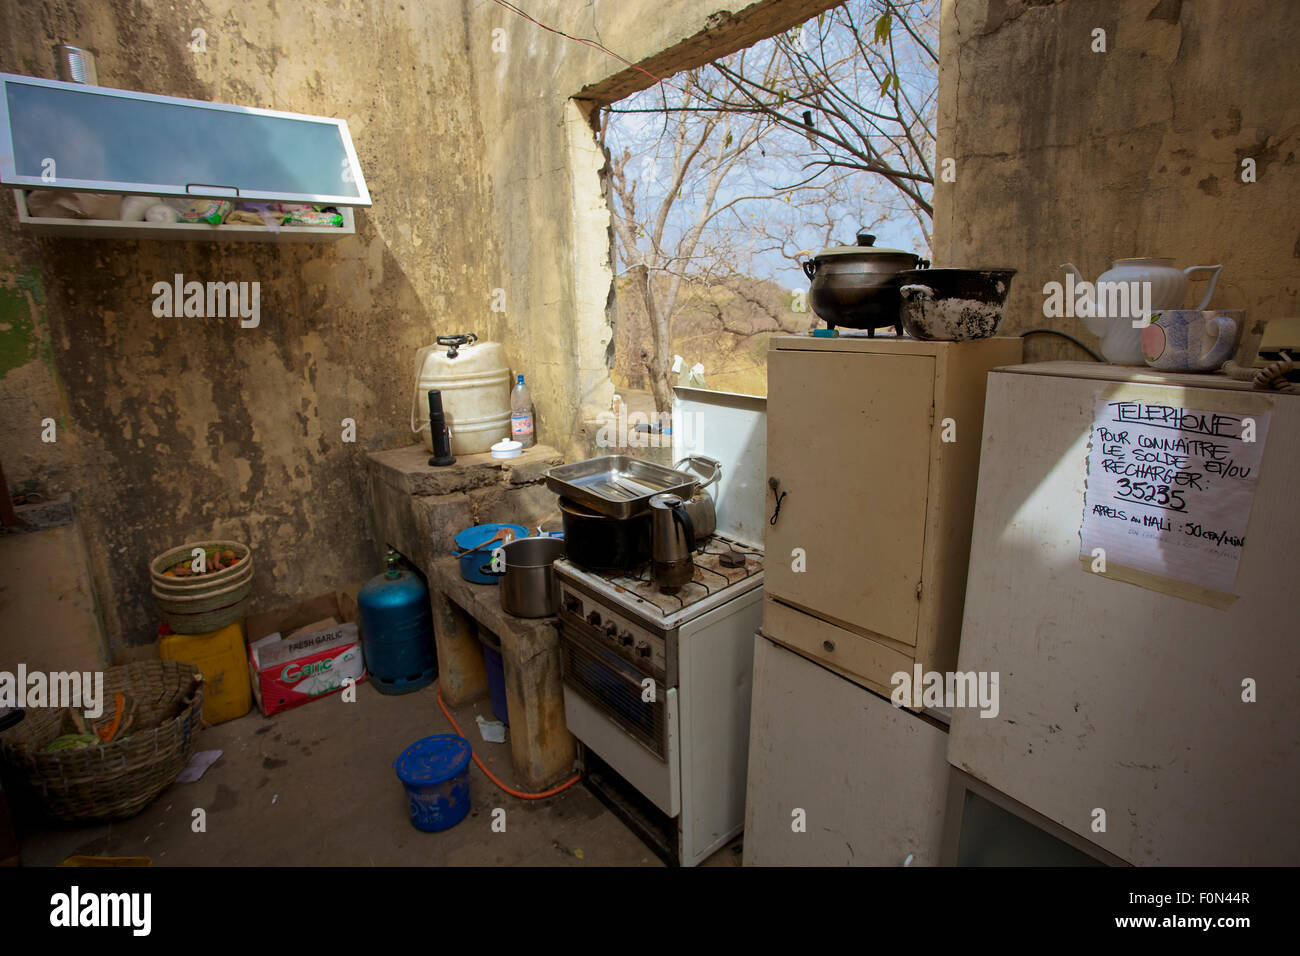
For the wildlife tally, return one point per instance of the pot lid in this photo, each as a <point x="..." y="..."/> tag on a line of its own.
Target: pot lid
<point x="865" y="248"/>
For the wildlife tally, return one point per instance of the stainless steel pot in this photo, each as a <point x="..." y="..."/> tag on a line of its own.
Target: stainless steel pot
<point x="856" y="287"/>
<point x="672" y="535"/>
<point x="528" y="587"/>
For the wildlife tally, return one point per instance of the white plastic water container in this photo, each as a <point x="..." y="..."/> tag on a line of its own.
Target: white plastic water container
<point x="475" y="383"/>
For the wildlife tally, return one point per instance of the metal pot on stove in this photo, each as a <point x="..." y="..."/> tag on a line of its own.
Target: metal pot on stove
<point x="601" y="543"/>
<point x="672" y="540"/>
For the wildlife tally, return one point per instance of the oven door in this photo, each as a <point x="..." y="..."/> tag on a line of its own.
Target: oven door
<point x="604" y="707"/>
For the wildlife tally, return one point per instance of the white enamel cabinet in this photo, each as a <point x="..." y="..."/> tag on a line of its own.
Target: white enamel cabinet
<point x="870" y="779"/>
<point x="875" y="445"/>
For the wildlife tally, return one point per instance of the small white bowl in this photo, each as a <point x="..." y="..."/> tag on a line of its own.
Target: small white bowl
<point x="507" y="448"/>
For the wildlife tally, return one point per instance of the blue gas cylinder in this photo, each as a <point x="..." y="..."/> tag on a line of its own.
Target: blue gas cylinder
<point x="397" y="630"/>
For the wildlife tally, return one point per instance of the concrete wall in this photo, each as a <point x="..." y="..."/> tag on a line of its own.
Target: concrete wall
<point x="46" y="603"/>
<point x="1063" y="154"/>
<point x="178" y="429"/>
<point x="485" y="176"/>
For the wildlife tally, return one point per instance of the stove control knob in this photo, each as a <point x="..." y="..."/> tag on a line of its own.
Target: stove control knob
<point x="626" y="638"/>
<point x="611" y="629"/>
<point x="643" y="648"/>
<point x="594" y="619"/>
<point x="572" y="603"/>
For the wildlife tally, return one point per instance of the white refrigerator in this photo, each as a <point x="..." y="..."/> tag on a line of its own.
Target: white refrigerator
<point x="1144" y="711"/>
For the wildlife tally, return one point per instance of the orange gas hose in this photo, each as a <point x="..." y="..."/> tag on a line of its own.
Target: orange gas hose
<point x="514" y="793"/>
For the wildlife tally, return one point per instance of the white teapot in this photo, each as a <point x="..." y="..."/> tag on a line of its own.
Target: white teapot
<point x="1129" y="292"/>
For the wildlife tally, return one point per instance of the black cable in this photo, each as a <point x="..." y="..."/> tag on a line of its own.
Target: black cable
<point x="1070" y="338"/>
<point x="779" y="497"/>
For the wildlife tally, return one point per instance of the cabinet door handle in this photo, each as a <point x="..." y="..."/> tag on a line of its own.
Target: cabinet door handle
<point x="828" y="645"/>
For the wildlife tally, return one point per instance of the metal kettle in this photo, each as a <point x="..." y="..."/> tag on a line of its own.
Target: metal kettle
<point x="701" y="507"/>
<point x="672" y="539"/>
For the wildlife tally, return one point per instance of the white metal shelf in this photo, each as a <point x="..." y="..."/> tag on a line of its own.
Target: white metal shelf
<point x="182" y="231"/>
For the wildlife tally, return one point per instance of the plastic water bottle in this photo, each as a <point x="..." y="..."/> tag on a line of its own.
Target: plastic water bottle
<point x="521" y="414"/>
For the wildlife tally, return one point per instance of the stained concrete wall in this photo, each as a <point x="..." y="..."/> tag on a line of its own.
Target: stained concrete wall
<point x="485" y="176"/>
<point x="50" y="619"/>
<point x="177" y="429"/>
<point x="1065" y="154"/>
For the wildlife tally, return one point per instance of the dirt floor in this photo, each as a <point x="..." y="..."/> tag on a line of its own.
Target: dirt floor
<point x="315" y="786"/>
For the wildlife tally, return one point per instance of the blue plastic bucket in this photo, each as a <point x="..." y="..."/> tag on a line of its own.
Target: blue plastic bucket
<point x="496" y="675"/>
<point x="435" y="772"/>
<point x="473" y="563"/>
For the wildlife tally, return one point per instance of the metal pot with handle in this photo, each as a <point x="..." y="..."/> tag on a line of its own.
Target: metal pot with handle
<point x="528" y="586"/>
<point x="856" y="287"/>
<point x="672" y="534"/>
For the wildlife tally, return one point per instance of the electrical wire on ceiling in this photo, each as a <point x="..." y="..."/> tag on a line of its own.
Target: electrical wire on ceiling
<point x="594" y="44"/>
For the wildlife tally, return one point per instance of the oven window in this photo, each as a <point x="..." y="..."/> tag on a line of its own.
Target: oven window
<point x="614" y="686"/>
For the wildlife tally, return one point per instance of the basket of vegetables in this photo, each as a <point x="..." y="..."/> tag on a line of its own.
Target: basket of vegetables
<point x="196" y="594"/>
<point x="110" y="766"/>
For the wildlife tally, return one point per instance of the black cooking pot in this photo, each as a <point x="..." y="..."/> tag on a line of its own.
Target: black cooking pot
<point x="601" y="543"/>
<point x="954" y="305"/>
<point x="856" y="287"/>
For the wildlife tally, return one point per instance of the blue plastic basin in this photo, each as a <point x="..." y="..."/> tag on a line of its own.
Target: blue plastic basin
<point x="473" y="564"/>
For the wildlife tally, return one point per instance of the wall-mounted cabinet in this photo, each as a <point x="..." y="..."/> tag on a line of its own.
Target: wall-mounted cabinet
<point x="74" y="137"/>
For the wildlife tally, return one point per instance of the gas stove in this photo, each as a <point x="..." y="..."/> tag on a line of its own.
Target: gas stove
<point x="636" y="593"/>
<point x="656" y="685"/>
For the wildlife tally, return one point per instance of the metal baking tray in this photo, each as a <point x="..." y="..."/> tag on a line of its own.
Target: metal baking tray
<point x="618" y="485"/>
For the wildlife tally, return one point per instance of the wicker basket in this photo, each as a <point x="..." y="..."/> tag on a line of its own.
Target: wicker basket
<point x="207" y="602"/>
<point x="199" y="583"/>
<point x="116" y="780"/>
<point x="204" y="613"/>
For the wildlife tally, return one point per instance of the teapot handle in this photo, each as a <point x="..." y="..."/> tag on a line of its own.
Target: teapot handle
<point x="809" y="268"/>
<point x="1214" y="278"/>
<point x="708" y="462"/>
<point x="1221" y="351"/>
<point x="688" y="526"/>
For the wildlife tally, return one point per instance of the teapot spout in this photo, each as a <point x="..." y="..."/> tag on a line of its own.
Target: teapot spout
<point x="1097" y="326"/>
